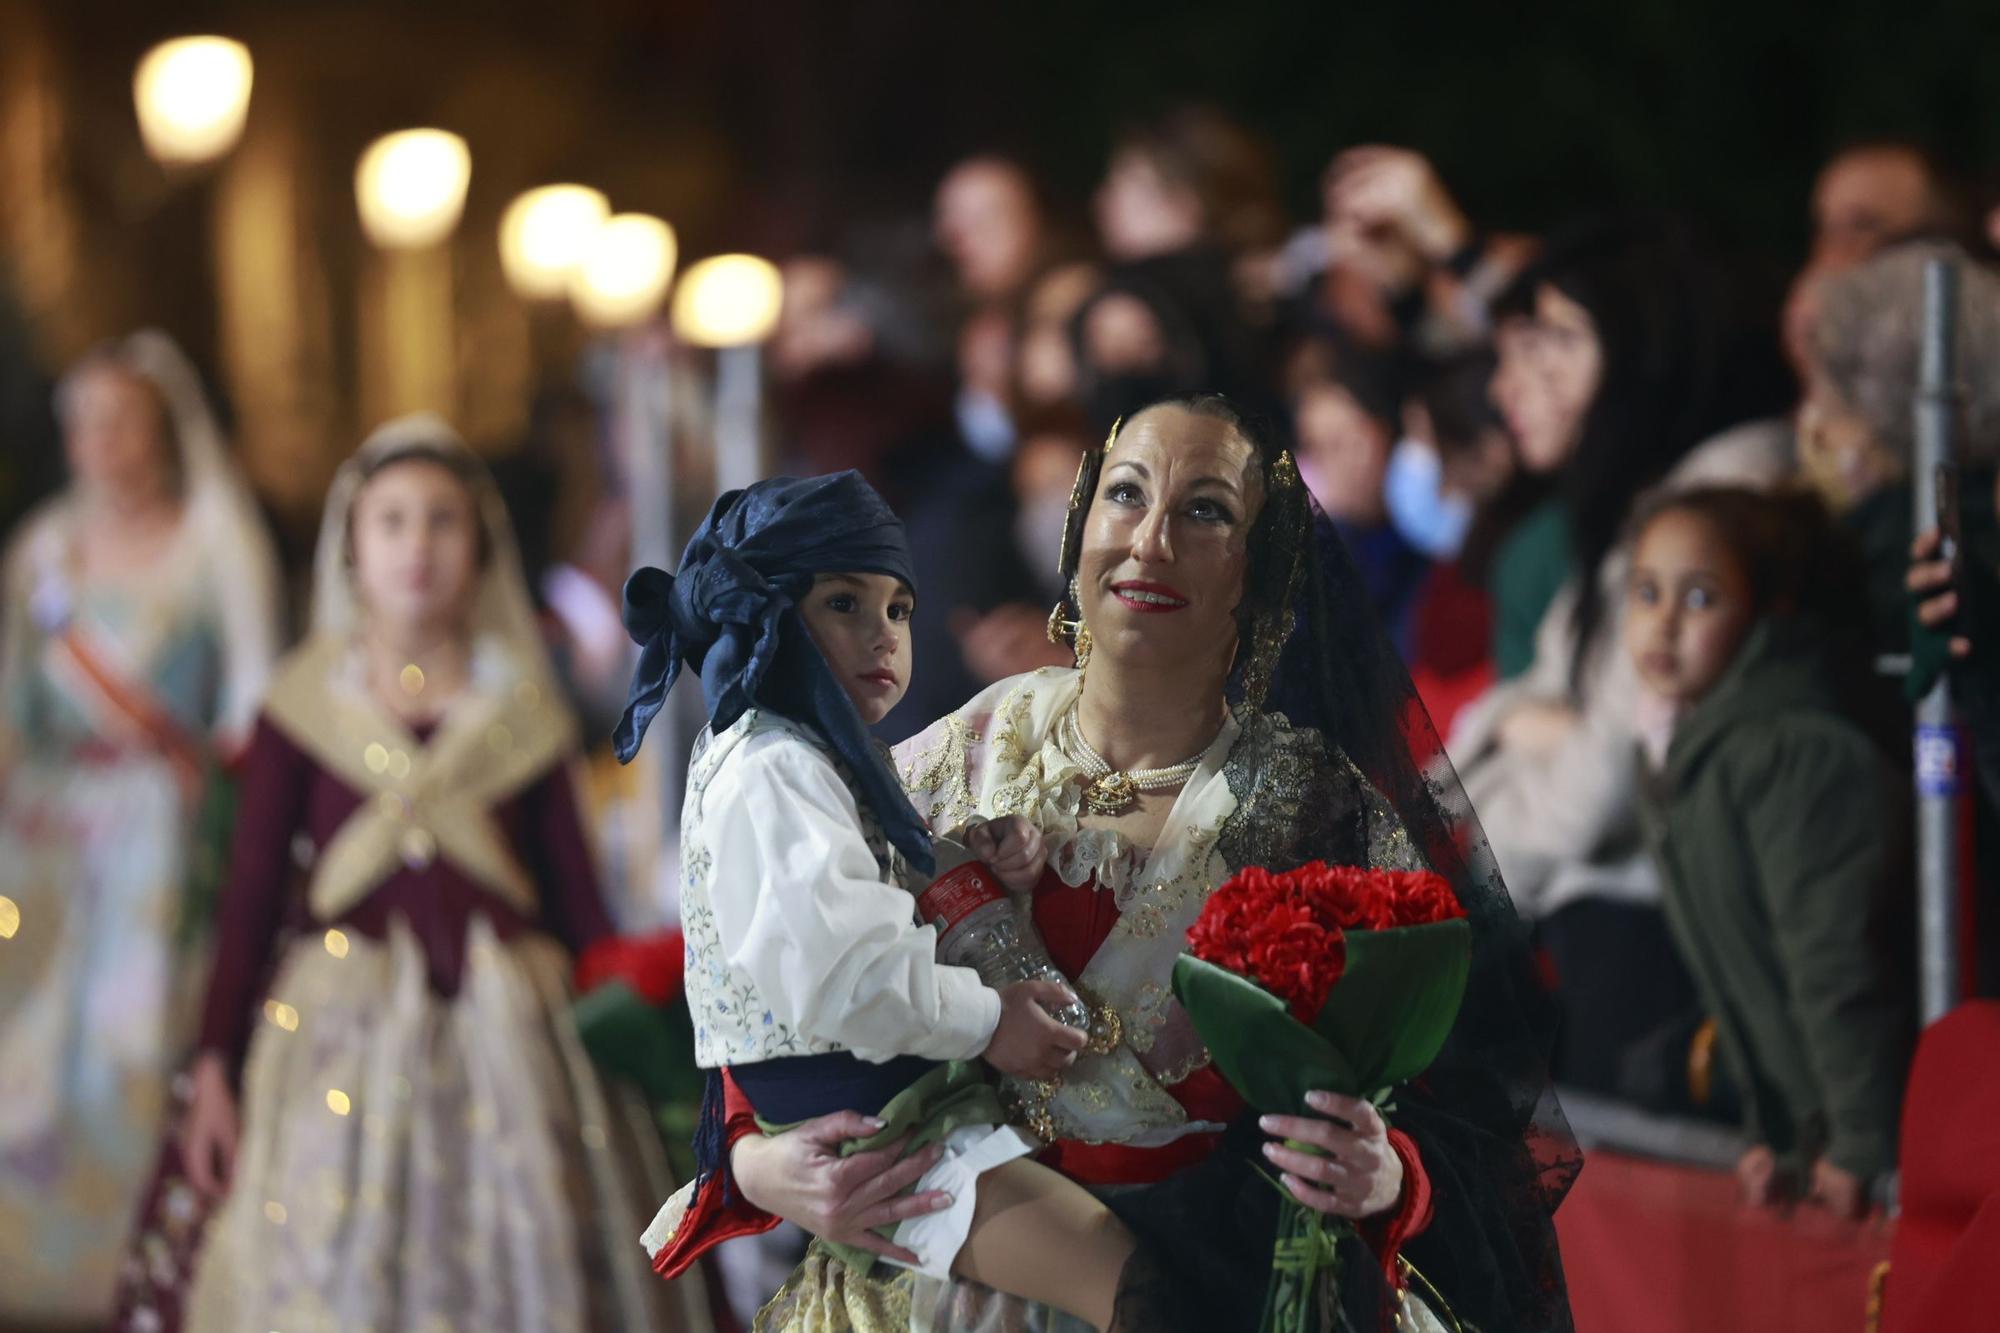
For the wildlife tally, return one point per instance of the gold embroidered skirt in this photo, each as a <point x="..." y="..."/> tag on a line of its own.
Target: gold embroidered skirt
<point x="410" y="1161"/>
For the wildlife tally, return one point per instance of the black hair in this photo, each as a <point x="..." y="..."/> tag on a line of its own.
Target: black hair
<point x="1782" y="541"/>
<point x="1454" y="393"/>
<point x="1681" y="357"/>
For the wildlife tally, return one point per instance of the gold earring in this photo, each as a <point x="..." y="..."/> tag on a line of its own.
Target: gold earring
<point x="1059" y="629"/>
<point x="1081" y="644"/>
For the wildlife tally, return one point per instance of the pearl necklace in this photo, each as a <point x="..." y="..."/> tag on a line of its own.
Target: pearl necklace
<point x="1112" y="791"/>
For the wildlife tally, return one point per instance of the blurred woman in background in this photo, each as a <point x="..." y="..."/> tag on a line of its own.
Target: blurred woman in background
<point x="1625" y="364"/>
<point x="1185" y="199"/>
<point x="141" y="625"/>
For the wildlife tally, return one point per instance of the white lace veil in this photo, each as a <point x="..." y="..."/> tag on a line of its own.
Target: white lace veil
<point x="503" y="614"/>
<point x="221" y="513"/>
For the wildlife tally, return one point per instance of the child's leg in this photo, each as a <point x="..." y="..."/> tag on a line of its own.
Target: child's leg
<point x="1039" y="1235"/>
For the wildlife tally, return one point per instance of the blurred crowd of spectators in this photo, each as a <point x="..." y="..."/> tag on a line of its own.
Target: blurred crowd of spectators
<point x="1490" y="420"/>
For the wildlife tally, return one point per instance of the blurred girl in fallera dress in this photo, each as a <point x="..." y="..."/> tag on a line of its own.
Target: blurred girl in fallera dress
<point x="391" y="1099"/>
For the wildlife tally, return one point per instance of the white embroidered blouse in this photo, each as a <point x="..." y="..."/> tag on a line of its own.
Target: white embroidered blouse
<point x="801" y="940"/>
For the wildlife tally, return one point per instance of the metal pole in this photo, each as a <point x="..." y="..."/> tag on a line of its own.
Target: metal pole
<point x="643" y="422"/>
<point x="738" y="401"/>
<point x="1936" y="738"/>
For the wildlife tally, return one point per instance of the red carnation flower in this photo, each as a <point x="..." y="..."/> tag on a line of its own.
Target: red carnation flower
<point x="1287" y="932"/>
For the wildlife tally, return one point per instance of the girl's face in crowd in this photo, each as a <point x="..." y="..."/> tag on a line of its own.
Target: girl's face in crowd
<point x="114" y="437"/>
<point x="1167" y="542"/>
<point x="1343" y="453"/>
<point x="1550" y="368"/>
<point x="1688" y="605"/>
<point x="415" y="533"/>
<point x="861" y="625"/>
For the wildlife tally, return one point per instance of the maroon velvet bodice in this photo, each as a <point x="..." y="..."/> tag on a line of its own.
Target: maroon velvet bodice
<point x="290" y="807"/>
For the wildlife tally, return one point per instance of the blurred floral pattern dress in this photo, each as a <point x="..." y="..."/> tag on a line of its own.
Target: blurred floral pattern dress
<point x="115" y="696"/>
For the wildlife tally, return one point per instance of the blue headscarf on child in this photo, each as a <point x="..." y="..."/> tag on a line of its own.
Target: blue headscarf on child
<point x="731" y="614"/>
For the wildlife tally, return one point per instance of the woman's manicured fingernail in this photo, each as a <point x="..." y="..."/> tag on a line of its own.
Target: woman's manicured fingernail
<point x="1268" y="1123"/>
<point x="1319" y="1101"/>
<point x="874" y="1122"/>
<point x="1271" y="1151"/>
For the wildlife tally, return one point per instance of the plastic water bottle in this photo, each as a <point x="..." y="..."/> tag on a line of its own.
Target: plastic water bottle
<point x="980" y="927"/>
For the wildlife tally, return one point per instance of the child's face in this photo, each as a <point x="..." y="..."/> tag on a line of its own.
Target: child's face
<point x="1687" y="606"/>
<point x="416" y="545"/>
<point x="861" y="624"/>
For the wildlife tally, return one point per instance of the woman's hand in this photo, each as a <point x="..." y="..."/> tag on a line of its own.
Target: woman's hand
<point x="1840" y="1192"/>
<point x="1361" y="1174"/>
<point x="799" y="1175"/>
<point x="1930" y="579"/>
<point x="208" y="1137"/>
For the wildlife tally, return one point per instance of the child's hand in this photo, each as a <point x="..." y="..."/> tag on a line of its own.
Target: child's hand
<point x="1538" y="726"/>
<point x="1841" y="1193"/>
<point x="209" y="1135"/>
<point x="1757" y="1177"/>
<point x="1029" y="1041"/>
<point x="1012" y="849"/>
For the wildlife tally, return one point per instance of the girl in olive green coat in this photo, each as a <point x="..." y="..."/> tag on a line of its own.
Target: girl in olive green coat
<point x="1778" y="827"/>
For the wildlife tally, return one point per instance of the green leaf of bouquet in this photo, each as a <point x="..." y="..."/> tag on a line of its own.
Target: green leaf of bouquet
<point x="629" y="1038"/>
<point x="1268" y="1056"/>
<point x="1397" y="999"/>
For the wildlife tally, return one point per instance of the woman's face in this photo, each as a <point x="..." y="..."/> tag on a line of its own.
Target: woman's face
<point x="1166" y="544"/>
<point x="1343" y="453"/>
<point x="1047" y="361"/>
<point x="1140" y="213"/>
<point x="415" y="533"/>
<point x="1687" y="606"/>
<point x="987" y="224"/>
<point x="113" y="436"/>
<point x="1550" y="368"/>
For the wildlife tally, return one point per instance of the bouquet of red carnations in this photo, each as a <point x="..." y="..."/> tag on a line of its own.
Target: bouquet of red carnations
<point x="1323" y="978"/>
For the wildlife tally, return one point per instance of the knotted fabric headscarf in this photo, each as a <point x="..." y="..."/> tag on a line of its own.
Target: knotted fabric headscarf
<point x="731" y="614"/>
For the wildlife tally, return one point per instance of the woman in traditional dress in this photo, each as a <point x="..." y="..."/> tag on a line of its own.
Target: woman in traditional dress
<point x="1199" y="589"/>
<point x="416" y="1138"/>
<point x="140" y="625"/>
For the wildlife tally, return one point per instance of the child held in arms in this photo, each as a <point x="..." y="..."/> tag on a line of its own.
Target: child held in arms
<point x="1776" y="823"/>
<point x="809" y="976"/>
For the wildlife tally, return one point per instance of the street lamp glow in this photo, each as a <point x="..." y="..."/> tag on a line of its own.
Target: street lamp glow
<point x="728" y="301"/>
<point x="625" y="275"/>
<point x="192" y="95"/>
<point x="410" y="187"/>
<point x="545" y="235"/>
